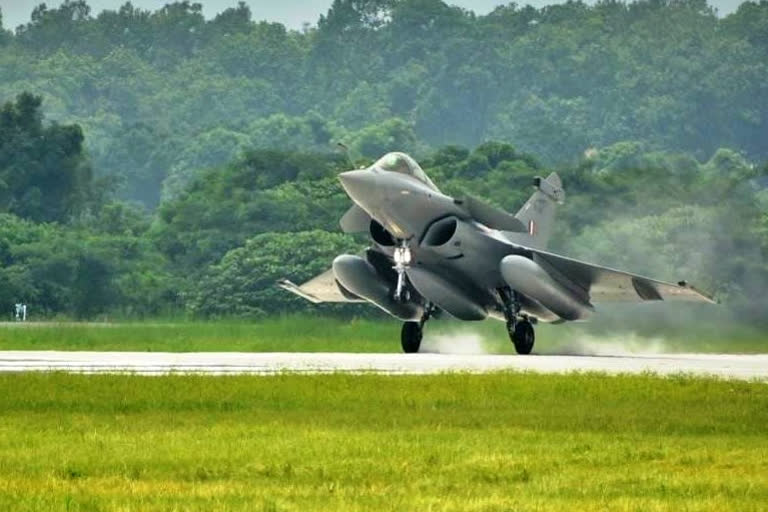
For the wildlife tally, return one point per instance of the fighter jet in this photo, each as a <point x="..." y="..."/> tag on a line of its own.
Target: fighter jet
<point x="431" y="253"/>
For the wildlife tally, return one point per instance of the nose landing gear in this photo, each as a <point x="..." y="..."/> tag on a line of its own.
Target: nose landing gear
<point x="402" y="257"/>
<point x="519" y="327"/>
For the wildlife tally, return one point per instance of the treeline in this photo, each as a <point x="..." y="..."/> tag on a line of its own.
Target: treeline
<point x="68" y="246"/>
<point x="164" y="94"/>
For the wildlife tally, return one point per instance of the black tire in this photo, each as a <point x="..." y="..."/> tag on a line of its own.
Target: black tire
<point x="410" y="337"/>
<point x="523" y="337"/>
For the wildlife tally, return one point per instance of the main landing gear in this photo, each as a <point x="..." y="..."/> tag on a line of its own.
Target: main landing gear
<point x="519" y="327"/>
<point x="410" y="337"/>
<point x="523" y="336"/>
<point x="412" y="332"/>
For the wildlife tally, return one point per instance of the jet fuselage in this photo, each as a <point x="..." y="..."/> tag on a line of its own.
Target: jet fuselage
<point x="454" y="258"/>
<point x="432" y="252"/>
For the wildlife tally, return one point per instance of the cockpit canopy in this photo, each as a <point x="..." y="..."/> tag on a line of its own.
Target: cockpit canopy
<point x="403" y="164"/>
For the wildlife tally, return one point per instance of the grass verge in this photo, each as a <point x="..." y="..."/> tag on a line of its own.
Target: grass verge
<point x="452" y="442"/>
<point x="325" y="334"/>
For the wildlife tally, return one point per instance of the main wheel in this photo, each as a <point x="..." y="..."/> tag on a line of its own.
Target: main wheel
<point x="410" y="337"/>
<point x="523" y="337"/>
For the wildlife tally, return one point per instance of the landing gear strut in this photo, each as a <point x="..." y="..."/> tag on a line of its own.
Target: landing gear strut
<point x="412" y="332"/>
<point x="519" y="327"/>
<point x="402" y="257"/>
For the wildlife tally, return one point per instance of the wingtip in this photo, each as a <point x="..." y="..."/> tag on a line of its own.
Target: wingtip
<point x="706" y="296"/>
<point x="292" y="287"/>
<point x="554" y="179"/>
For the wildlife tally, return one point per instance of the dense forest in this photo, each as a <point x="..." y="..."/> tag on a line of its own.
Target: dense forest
<point x="158" y="163"/>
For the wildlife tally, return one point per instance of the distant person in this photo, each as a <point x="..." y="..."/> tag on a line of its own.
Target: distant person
<point x="23" y="312"/>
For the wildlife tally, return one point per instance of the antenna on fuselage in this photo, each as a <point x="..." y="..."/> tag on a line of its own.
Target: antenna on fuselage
<point x="344" y="149"/>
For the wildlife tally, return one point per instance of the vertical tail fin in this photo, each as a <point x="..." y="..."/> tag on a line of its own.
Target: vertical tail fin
<point x="538" y="213"/>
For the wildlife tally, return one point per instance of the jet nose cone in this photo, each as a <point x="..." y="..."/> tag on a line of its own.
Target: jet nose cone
<point x="358" y="184"/>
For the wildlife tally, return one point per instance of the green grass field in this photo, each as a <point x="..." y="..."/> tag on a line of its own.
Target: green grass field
<point x="323" y="334"/>
<point x="341" y="442"/>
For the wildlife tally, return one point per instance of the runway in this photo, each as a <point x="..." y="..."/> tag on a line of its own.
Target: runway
<point x="220" y="363"/>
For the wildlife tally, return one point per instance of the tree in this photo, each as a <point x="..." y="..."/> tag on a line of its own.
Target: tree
<point x="177" y="31"/>
<point x="4" y="35"/>
<point x="630" y="102"/>
<point x="84" y="270"/>
<point x="44" y="173"/>
<point x="138" y="158"/>
<point x="555" y="80"/>
<point x="243" y="282"/>
<point x="50" y="29"/>
<point x="128" y="28"/>
<point x="231" y="21"/>
<point x="390" y="135"/>
<point x="263" y="191"/>
<point x="210" y="149"/>
<point x="289" y="133"/>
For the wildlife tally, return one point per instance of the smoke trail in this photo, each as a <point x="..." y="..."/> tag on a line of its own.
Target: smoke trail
<point x="460" y="343"/>
<point x="605" y="345"/>
<point x="468" y="342"/>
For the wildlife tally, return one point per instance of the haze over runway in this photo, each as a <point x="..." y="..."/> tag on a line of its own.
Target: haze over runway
<point x="745" y="367"/>
<point x="292" y="13"/>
